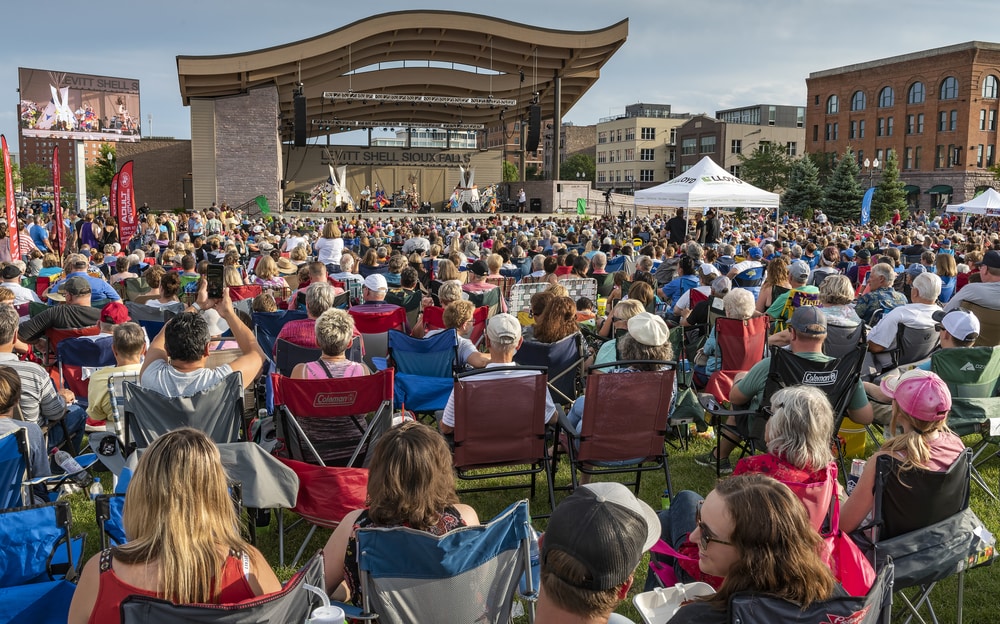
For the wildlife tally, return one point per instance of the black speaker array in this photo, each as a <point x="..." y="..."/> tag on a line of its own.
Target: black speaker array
<point x="300" y="120"/>
<point x="534" y="128"/>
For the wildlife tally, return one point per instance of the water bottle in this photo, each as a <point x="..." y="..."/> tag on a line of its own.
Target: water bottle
<point x="665" y="499"/>
<point x="327" y="613"/>
<point x="536" y="567"/>
<point x="72" y="467"/>
<point x="96" y="489"/>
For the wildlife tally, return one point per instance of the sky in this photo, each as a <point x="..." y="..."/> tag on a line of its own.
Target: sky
<point x="698" y="57"/>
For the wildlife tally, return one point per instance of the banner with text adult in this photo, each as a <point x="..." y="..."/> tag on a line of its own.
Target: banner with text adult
<point x="10" y="208"/>
<point x="127" y="223"/>
<point x="57" y="212"/>
<point x="113" y="200"/>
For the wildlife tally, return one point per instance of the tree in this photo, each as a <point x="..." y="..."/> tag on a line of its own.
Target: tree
<point x="578" y="163"/>
<point x="803" y="193"/>
<point x="15" y="174"/>
<point x="531" y="172"/>
<point x="767" y="167"/>
<point x="510" y="172"/>
<point x="35" y="176"/>
<point x="889" y="195"/>
<point x="842" y="197"/>
<point x="104" y="166"/>
<point x="825" y="162"/>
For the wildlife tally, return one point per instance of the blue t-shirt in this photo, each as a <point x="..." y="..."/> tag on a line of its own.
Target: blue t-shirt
<point x="40" y="237"/>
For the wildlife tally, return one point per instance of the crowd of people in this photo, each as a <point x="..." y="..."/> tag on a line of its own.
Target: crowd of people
<point x="806" y="276"/>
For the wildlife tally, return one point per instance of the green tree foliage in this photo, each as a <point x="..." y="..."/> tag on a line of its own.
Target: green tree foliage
<point x="35" y="176"/>
<point x="804" y="193"/>
<point x="15" y="174"/>
<point x="825" y="163"/>
<point x="842" y="197"/>
<point x="767" y="167"/>
<point x="104" y="166"/>
<point x="889" y="194"/>
<point x="531" y="172"/>
<point x="509" y="172"/>
<point x="579" y="163"/>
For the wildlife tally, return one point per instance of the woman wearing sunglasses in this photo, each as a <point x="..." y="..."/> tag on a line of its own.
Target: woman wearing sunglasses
<point x="753" y="532"/>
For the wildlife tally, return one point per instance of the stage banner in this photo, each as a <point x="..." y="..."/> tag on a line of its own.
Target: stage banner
<point x="57" y="213"/>
<point x="113" y="200"/>
<point x="13" y="234"/>
<point x="127" y="223"/>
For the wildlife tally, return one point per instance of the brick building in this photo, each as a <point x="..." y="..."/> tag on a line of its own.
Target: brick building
<point x="936" y="109"/>
<point x="573" y="140"/>
<point x="637" y="150"/>
<point x="162" y="171"/>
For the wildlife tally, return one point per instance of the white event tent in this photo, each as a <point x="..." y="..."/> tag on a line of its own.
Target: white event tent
<point x="706" y="185"/>
<point x="986" y="204"/>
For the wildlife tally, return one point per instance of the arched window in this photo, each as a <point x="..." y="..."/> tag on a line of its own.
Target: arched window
<point x="990" y="87"/>
<point x="949" y="88"/>
<point x="886" y="98"/>
<point x="832" y="105"/>
<point x="858" y="101"/>
<point x="916" y="95"/>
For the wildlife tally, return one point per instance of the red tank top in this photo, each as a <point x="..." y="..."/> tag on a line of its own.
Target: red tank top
<point x="112" y="590"/>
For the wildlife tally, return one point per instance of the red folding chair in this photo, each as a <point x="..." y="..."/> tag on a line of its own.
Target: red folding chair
<point x="479" y="317"/>
<point x="742" y="344"/>
<point x="53" y="337"/>
<point x="42" y="287"/>
<point x="329" y="425"/>
<point x="373" y="321"/>
<point x="249" y="291"/>
<point x="76" y="356"/>
<point x="434" y="317"/>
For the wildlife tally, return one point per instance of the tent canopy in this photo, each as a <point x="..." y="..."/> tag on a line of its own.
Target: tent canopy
<point x="987" y="203"/>
<point x="707" y="185"/>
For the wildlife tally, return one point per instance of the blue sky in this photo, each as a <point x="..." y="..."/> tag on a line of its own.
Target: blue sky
<point x="696" y="56"/>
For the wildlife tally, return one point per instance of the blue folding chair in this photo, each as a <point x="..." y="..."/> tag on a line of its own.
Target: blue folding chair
<point x="615" y="264"/>
<point x="37" y="567"/>
<point x="267" y="325"/>
<point x="77" y="357"/>
<point x="470" y="574"/>
<point x="751" y="279"/>
<point x="13" y="467"/>
<point x="425" y="369"/>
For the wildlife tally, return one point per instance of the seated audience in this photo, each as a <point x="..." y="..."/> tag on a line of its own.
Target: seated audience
<point x="334" y="334"/>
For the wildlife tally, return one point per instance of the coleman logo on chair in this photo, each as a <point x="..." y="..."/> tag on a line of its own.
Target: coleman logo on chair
<point x="820" y="379"/>
<point x="334" y="399"/>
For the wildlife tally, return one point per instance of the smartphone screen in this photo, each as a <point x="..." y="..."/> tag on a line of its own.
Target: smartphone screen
<point x="215" y="281"/>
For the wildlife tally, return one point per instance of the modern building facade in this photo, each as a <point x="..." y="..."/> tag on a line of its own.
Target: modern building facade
<point x="936" y="109"/>
<point x="637" y="150"/>
<point x="735" y="132"/>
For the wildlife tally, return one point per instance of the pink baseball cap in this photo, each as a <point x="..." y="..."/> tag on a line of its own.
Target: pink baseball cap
<point x="921" y="394"/>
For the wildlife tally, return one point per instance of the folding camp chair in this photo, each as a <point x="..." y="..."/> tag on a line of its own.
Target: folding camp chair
<point x="615" y="440"/>
<point x="470" y="574"/>
<point x="500" y="423"/>
<point x="40" y="562"/>
<point x="217" y="411"/>
<point x="796" y="299"/>
<point x="874" y="608"/>
<point x="135" y="287"/>
<point x="78" y="358"/>
<point x="433" y="317"/>
<point x="841" y="339"/>
<point x="989" y="321"/>
<point x="488" y="298"/>
<point x="116" y="395"/>
<point x="267" y="326"/>
<point x="564" y="360"/>
<point x="49" y="345"/>
<point x="288" y="354"/>
<point x="409" y="300"/>
<point x="913" y="344"/>
<point x="327" y="437"/>
<point x="108" y="513"/>
<point x="248" y="291"/>
<point x="742" y="344"/>
<point x="504" y="283"/>
<point x="973" y="377"/>
<point x="373" y="322"/>
<point x="293" y="603"/>
<point x="14" y="468"/>
<point x="917" y="521"/>
<point x="751" y="279"/>
<point x="425" y="369"/>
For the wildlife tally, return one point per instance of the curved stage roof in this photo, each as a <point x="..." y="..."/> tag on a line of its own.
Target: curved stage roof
<point x="430" y="53"/>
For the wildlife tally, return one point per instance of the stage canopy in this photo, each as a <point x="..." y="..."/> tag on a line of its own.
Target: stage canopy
<point x="707" y="185"/>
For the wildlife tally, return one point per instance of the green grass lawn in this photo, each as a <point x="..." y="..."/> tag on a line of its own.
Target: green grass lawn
<point x="980" y="583"/>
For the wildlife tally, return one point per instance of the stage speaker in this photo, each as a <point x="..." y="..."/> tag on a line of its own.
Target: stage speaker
<point x="534" y="128"/>
<point x="300" y="120"/>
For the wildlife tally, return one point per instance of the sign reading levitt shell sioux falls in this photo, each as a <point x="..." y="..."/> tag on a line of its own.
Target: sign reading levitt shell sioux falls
<point x="86" y="107"/>
<point x="389" y="156"/>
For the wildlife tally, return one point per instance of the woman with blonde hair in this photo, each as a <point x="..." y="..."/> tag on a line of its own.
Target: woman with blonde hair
<point x="184" y="537"/>
<point x="334" y="335"/>
<point x="775" y="283"/>
<point x="231" y="276"/>
<point x="329" y="246"/>
<point x="946" y="268"/>
<point x="410" y="484"/>
<point x="835" y="296"/>
<point x="266" y="274"/>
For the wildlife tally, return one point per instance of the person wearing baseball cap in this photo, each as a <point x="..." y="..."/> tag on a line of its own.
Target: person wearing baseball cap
<point x="920" y="437"/>
<point x="985" y="293"/>
<point x="503" y="339"/>
<point x="477" y="285"/>
<point x="74" y="311"/>
<point x="594" y="541"/>
<point x="798" y="280"/>
<point x="752" y="261"/>
<point x="11" y="274"/>
<point x="77" y="264"/>
<point x="375" y="288"/>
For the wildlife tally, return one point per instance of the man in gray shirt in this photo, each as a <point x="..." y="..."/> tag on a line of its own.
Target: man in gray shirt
<point x="985" y="293"/>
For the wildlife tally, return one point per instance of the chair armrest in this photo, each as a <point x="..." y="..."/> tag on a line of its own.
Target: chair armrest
<point x="712" y="406"/>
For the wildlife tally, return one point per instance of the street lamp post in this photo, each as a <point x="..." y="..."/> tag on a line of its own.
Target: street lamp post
<point x="871" y="167"/>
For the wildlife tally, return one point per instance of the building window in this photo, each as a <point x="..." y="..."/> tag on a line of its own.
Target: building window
<point x="861" y="157"/>
<point x="979" y="155"/>
<point x="916" y="157"/>
<point x="858" y="101"/>
<point x="920" y="123"/>
<point x="861" y="129"/>
<point x="942" y="121"/>
<point x="916" y="93"/>
<point x="990" y="87"/>
<point x="736" y="146"/>
<point x="992" y="126"/>
<point x="908" y="160"/>
<point x="602" y="157"/>
<point x="685" y="168"/>
<point x="836" y="132"/>
<point x="629" y="134"/>
<point x="734" y="170"/>
<point x="829" y="132"/>
<point x="708" y="144"/>
<point x="673" y="136"/>
<point x="646" y="154"/>
<point x="816" y="101"/>
<point x="800" y="117"/>
<point x="952" y="155"/>
<point x="949" y="88"/>
<point x="618" y="176"/>
<point x="911" y="124"/>
<point x="989" y="155"/>
<point x="886" y="98"/>
<point x="880" y="126"/>
<point x="772" y="115"/>
<point x="689" y="146"/>
<point x="630" y="154"/>
<point x="939" y="157"/>
<point x="888" y="126"/>
<point x="648" y="134"/>
<point x="601" y="177"/>
<point x="602" y="137"/>
<point x="853" y="131"/>
<point x="645" y="175"/>
<point x="982" y="119"/>
<point x="619" y="135"/>
<point x="611" y="156"/>
<point x="791" y="148"/>
<point x="879" y="156"/>
<point x="816" y="131"/>
<point x="953" y="123"/>
<point x="832" y="105"/>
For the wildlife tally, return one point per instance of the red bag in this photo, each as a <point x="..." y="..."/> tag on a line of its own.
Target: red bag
<point x="848" y="564"/>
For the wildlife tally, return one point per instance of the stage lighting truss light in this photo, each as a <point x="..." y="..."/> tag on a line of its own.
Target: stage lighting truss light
<point x="420" y="99"/>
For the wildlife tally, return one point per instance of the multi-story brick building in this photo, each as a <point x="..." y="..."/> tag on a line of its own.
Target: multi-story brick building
<point x="936" y="109"/>
<point x="739" y="131"/>
<point x="573" y="140"/>
<point x="637" y="150"/>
